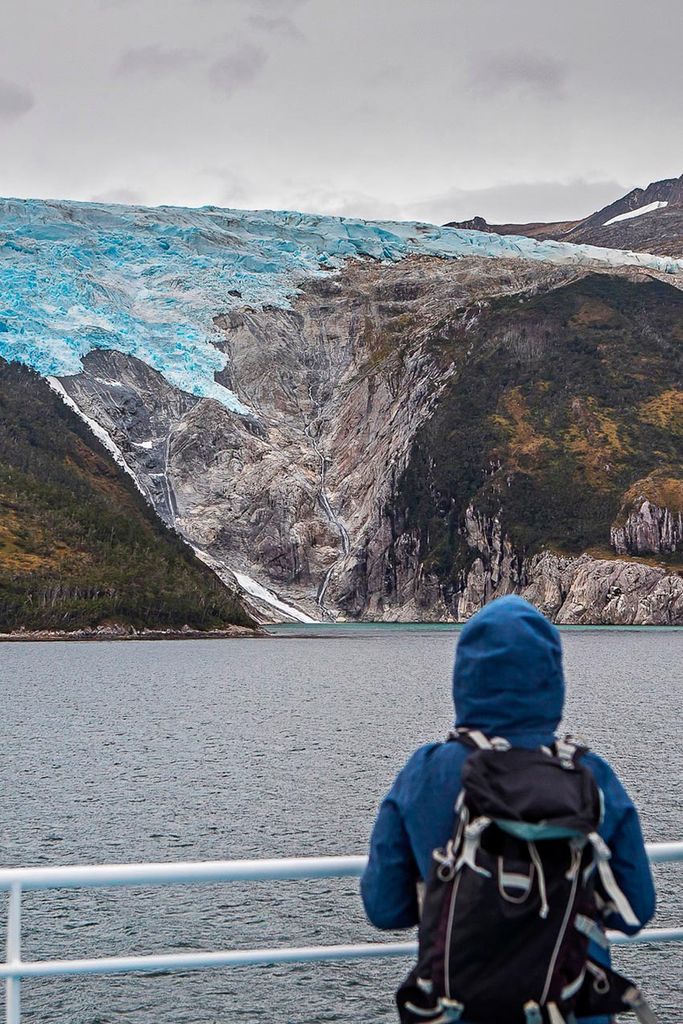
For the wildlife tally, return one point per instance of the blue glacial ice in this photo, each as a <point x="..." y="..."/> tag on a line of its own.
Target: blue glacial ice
<point x="75" y="277"/>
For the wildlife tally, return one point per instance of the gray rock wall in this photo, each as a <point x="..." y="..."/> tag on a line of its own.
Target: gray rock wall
<point x="648" y="529"/>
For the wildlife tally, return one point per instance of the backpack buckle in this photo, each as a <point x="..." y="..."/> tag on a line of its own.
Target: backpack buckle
<point x="635" y="999"/>
<point x="452" y="1011"/>
<point x="471" y="845"/>
<point x="566" y="750"/>
<point x="446" y="861"/>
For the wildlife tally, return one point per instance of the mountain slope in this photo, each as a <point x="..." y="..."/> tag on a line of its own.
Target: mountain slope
<point x="388" y="421"/>
<point x="580" y="420"/>
<point x="79" y="546"/>
<point x="648" y="220"/>
<point x="645" y="220"/>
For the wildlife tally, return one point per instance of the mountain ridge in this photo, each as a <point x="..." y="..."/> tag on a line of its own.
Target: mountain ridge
<point x="658" y="230"/>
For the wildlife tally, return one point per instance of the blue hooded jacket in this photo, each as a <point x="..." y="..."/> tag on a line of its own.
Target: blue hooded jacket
<point x="508" y="681"/>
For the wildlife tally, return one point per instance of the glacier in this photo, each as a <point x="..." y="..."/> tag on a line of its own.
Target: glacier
<point x="148" y="282"/>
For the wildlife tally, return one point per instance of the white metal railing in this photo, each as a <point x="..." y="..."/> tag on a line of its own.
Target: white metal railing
<point x="18" y="880"/>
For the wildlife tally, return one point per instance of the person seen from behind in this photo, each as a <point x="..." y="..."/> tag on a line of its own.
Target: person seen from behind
<point x="529" y="845"/>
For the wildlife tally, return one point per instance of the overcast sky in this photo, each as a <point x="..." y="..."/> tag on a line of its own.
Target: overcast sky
<point x="429" y="109"/>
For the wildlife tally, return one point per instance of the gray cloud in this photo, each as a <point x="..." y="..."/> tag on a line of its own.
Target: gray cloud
<point x="390" y="76"/>
<point x="424" y="109"/>
<point x="238" y="67"/>
<point x="274" y="5"/>
<point x="519" y="203"/>
<point x="507" y="202"/>
<point x="521" y="70"/>
<point x="154" y="60"/>
<point x="234" y="187"/>
<point x="127" y="196"/>
<point x="278" y="25"/>
<point x="15" y="101"/>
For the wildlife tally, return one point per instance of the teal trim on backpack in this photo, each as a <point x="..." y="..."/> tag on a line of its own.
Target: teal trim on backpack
<point x="530" y="832"/>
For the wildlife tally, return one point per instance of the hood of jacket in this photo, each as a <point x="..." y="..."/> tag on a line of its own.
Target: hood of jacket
<point x="508" y="679"/>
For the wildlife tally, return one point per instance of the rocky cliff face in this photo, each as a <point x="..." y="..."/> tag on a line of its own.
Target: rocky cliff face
<point x="418" y="421"/>
<point x="648" y="530"/>
<point x="650" y="521"/>
<point x="581" y="590"/>
<point x="337" y="386"/>
<point x="572" y="591"/>
<point x="518" y="484"/>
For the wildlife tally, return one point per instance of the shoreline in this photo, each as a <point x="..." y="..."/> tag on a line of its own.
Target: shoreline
<point x="280" y="631"/>
<point x="104" y="633"/>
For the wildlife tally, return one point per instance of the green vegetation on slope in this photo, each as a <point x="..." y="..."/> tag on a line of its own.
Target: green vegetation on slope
<point x="78" y="544"/>
<point x="559" y="404"/>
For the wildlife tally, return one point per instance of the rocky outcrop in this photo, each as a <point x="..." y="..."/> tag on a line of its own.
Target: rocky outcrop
<point x="496" y="570"/>
<point x="590" y="591"/>
<point x="570" y="590"/>
<point x="605" y="592"/>
<point x="648" y="529"/>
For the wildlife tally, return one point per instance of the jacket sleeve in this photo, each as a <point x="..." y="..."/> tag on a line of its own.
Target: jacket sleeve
<point x="629" y="861"/>
<point x="389" y="884"/>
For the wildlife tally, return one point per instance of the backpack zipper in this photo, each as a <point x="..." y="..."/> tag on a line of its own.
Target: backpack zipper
<point x="560" y="937"/>
<point x="449" y="930"/>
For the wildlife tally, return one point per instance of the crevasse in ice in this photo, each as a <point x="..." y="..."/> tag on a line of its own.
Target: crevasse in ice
<point x="147" y="282"/>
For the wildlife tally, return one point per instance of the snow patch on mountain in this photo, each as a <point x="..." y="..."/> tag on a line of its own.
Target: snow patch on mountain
<point x="100" y="433"/>
<point x="75" y="277"/>
<point x="268" y="597"/>
<point x="658" y="205"/>
<point x="262" y="595"/>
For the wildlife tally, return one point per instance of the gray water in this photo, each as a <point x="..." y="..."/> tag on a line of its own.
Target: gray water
<point x="218" y="749"/>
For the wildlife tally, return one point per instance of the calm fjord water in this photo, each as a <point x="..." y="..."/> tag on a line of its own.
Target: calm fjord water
<point x="219" y="749"/>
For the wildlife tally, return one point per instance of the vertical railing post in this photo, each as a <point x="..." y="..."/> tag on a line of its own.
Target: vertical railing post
<point x="13" y="983"/>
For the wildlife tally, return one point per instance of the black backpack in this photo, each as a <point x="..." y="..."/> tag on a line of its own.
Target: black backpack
<point x="515" y="895"/>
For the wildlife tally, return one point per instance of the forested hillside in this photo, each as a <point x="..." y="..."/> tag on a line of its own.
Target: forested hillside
<point x="79" y="546"/>
<point x="571" y="399"/>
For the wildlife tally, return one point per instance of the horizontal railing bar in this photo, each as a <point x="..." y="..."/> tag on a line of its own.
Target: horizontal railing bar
<point x="662" y="853"/>
<point x="251" y="957"/>
<point x="646" y="935"/>
<point x="95" y="875"/>
<point x="285" y="868"/>
<point x="193" y="961"/>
